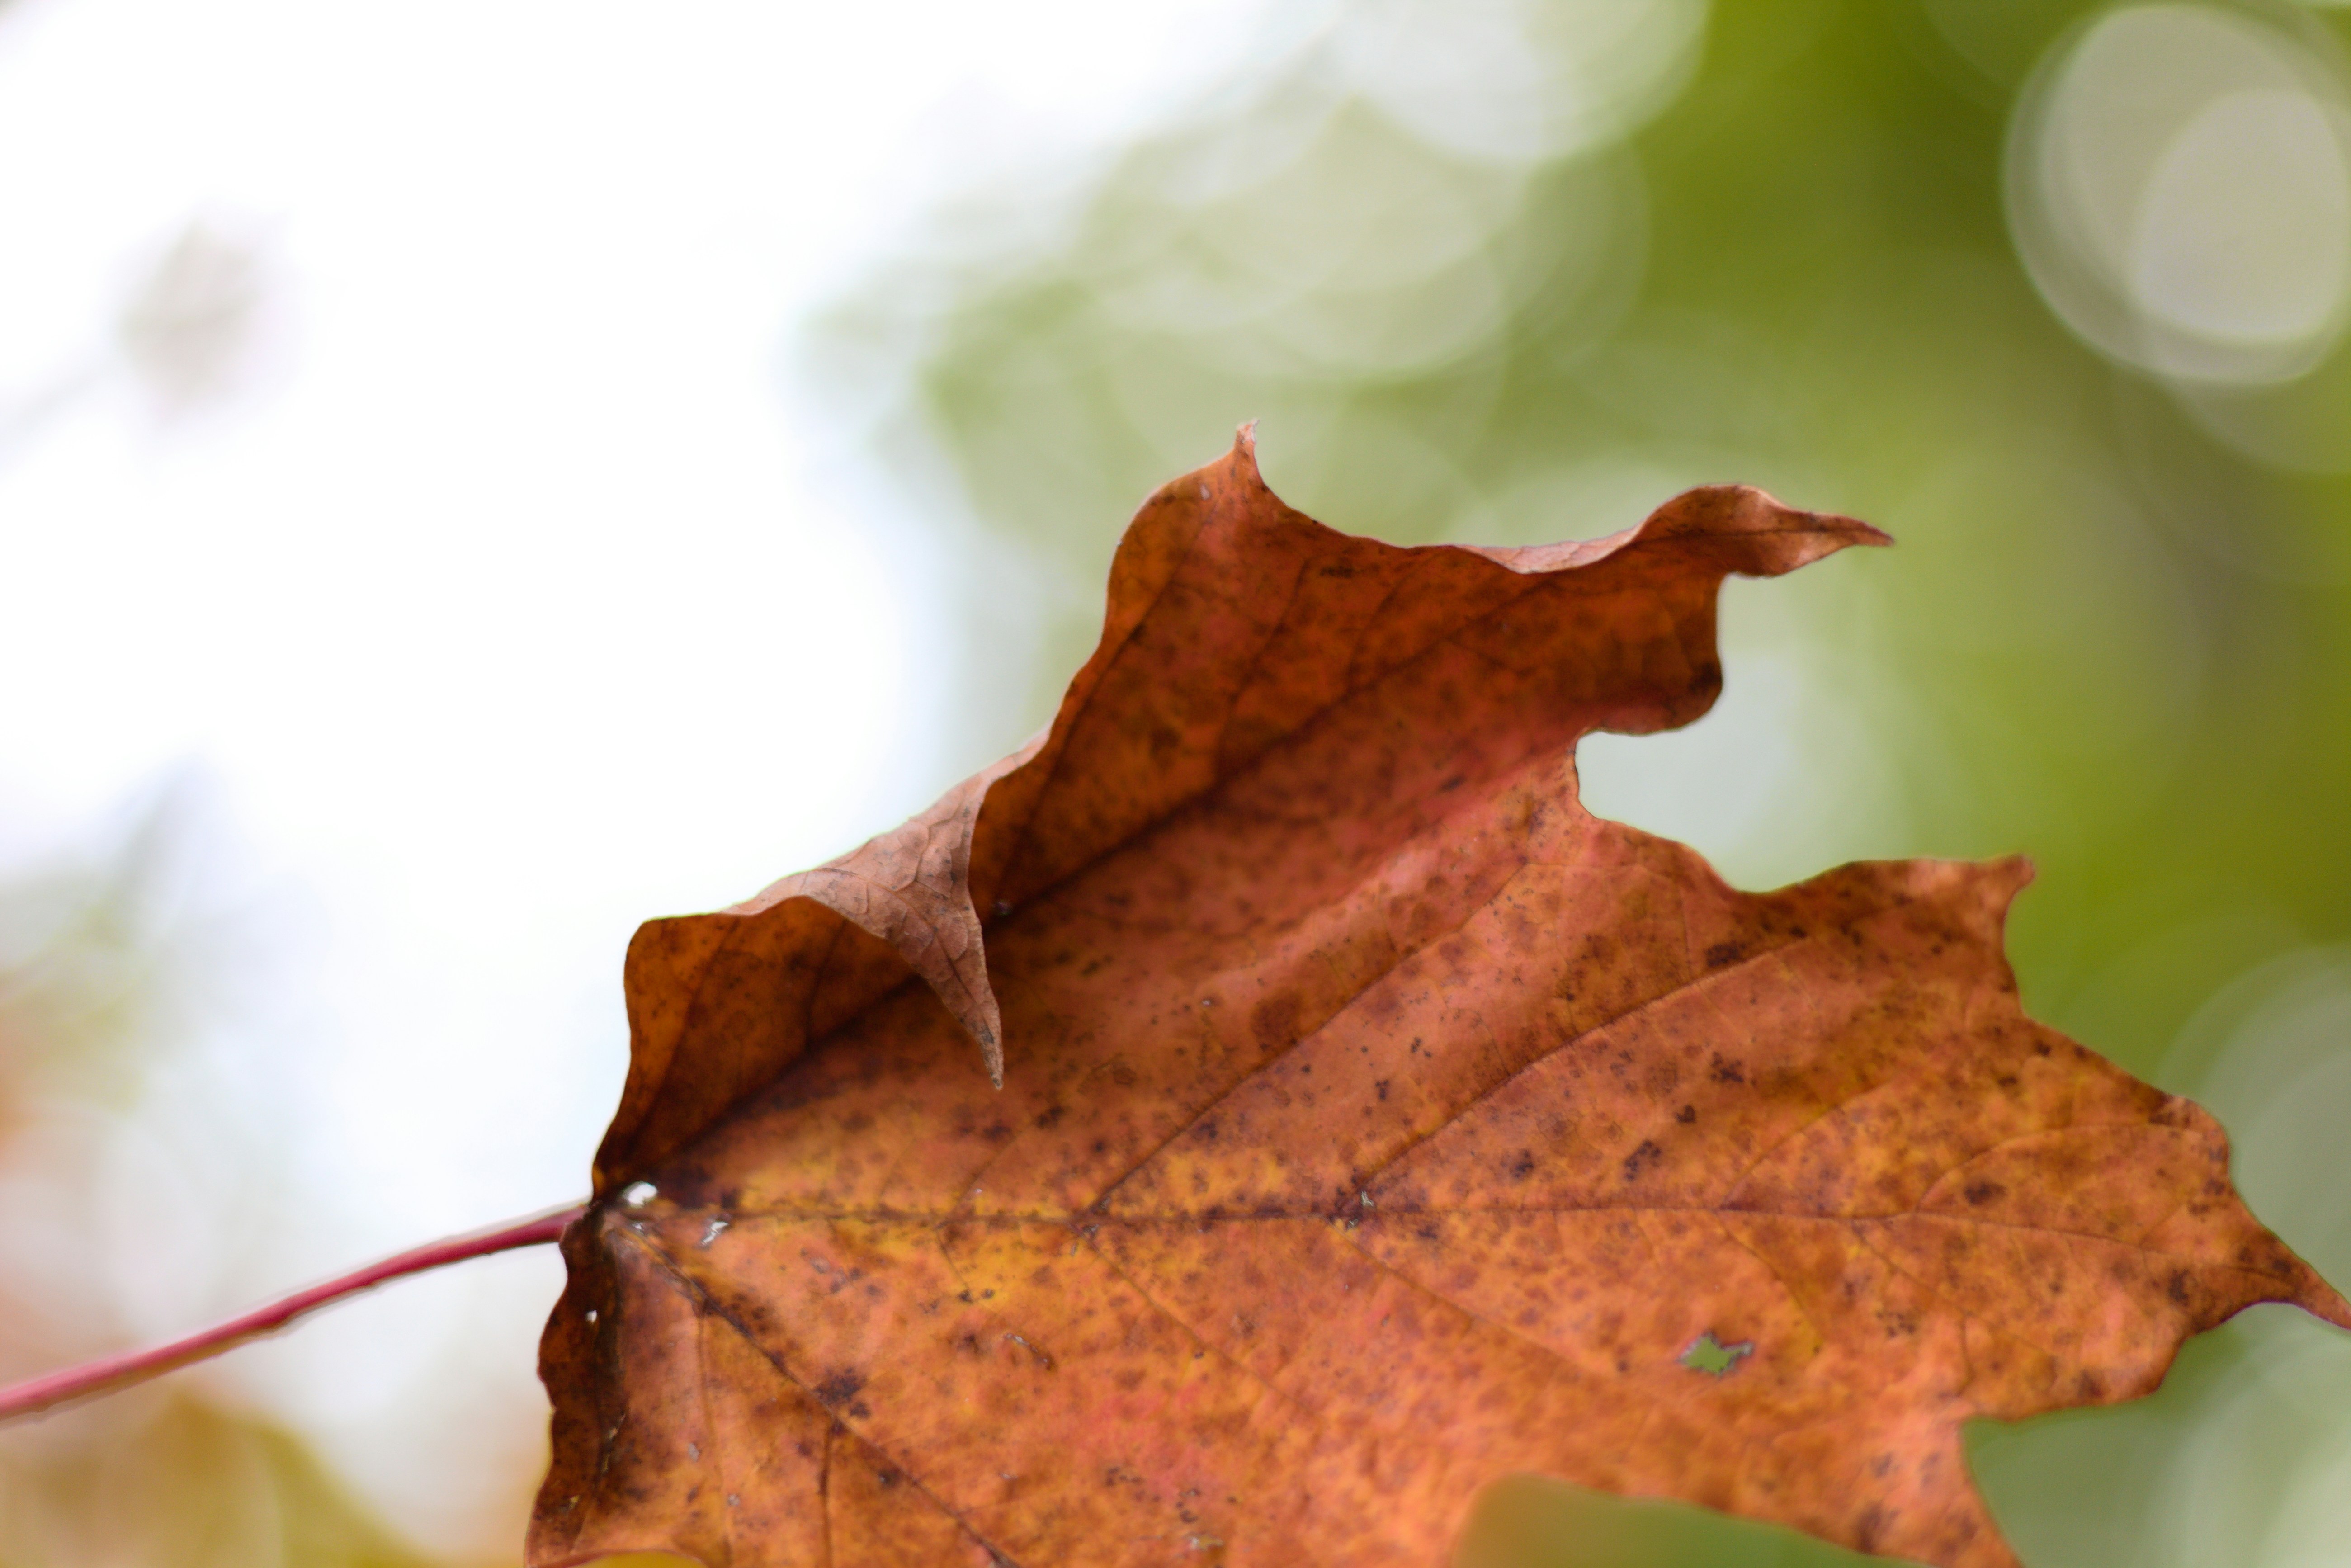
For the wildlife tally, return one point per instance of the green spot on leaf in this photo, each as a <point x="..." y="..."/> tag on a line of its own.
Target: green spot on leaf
<point x="1709" y="1355"/>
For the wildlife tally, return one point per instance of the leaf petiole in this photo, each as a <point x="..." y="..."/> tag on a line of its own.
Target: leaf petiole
<point x="113" y="1373"/>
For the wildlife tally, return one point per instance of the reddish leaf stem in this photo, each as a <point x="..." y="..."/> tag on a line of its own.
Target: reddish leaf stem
<point x="112" y="1373"/>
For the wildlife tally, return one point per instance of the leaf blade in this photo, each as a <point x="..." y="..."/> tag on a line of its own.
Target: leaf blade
<point x="1342" y="1044"/>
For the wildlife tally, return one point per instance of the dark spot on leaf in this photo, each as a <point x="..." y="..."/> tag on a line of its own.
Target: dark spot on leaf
<point x="1724" y="1071"/>
<point x="1983" y="1192"/>
<point x="1646" y="1154"/>
<point x="1522" y="1165"/>
<point x="1685" y="1115"/>
<point x="1723" y="953"/>
<point x="1274" y="1021"/>
<point x="839" y="1388"/>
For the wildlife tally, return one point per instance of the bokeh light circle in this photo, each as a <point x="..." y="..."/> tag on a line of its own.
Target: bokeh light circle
<point x="1515" y="81"/>
<point x="2179" y="187"/>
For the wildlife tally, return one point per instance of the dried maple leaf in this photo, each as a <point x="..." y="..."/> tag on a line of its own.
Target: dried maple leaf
<point x="1375" y="1122"/>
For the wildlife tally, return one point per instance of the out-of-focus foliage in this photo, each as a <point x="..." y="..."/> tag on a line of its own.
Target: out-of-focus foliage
<point x="1528" y="1523"/>
<point x="191" y="334"/>
<point x="97" y="981"/>
<point x="175" y="1482"/>
<point x="2052" y="292"/>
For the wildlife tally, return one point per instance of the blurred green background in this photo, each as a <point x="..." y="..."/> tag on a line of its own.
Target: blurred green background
<point x="2054" y="293"/>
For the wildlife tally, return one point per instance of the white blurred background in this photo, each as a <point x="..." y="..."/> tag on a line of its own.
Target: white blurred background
<point x="410" y="578"/>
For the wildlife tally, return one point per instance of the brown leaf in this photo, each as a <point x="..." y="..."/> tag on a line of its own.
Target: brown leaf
<point x="1375" y="1122"/>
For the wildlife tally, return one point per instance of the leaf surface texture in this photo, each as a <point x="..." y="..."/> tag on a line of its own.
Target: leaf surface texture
<point x="1374" y="1122"/>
